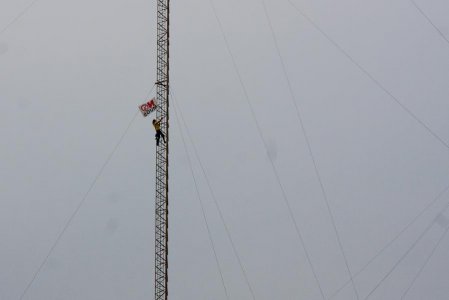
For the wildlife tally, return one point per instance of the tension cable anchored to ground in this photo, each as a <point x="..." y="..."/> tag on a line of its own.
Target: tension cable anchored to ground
<point x="403" y="256"/>
<point x="264" y="142"/>
<point x="370" y="76"/>
<point x="203" y="211"/>
<point x="18" y="16"/>
<point x="394" y="239"/>
<point x="429" y="257"/>
<point x="430" y="21"/>
<point x="214" y="198"/>
<point x="80" y="204"/>
<point x="309" y="148"/>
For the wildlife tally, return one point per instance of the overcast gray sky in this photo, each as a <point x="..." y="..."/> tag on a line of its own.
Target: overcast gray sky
<point x="73" y="72"/>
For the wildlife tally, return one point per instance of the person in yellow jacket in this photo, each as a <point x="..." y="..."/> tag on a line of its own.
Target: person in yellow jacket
<point x="159" y="134"/>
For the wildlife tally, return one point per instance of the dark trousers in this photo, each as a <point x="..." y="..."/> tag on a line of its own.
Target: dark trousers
<point x="159" y="134"/>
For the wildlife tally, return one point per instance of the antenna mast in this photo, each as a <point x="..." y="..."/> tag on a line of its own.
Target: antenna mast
<point x="161" y="209"/>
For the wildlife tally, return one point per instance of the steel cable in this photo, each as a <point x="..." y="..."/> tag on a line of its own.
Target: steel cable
<point x="209" y="233"/>
<point x="214" y="198"/>
<point x="80" y="204"/>
<point x="259" y="131"/>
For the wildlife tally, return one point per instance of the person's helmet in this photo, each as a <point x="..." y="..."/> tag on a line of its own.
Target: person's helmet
<point x="154" y="121"/>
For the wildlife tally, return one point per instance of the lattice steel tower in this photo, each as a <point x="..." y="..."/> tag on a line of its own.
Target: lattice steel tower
<point x="161" y="210"/>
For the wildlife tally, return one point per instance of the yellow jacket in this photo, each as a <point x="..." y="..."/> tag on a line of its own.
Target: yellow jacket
<point x="157" y="125"/>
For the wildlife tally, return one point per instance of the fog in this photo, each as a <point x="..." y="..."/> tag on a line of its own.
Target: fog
<point x="369" y="80"/>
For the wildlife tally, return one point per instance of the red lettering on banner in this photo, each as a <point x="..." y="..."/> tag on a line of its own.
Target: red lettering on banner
<point x="148" y="107"/>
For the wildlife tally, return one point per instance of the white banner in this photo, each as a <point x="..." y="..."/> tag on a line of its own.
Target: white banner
<point x="148" y="108"/>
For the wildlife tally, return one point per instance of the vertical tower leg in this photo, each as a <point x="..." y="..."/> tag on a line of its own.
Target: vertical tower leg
<point x="161" y="208"/>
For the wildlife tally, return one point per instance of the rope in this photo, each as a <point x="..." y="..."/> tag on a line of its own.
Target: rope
<point x="214" y="198"/>
<point x="80" y="204"/>
<point x="202" y="207"/>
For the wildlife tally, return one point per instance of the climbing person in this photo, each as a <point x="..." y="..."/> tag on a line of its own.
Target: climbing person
<point x="157" y="127"/>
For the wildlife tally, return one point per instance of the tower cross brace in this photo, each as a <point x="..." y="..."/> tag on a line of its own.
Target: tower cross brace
<point x="162" y="112"/>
